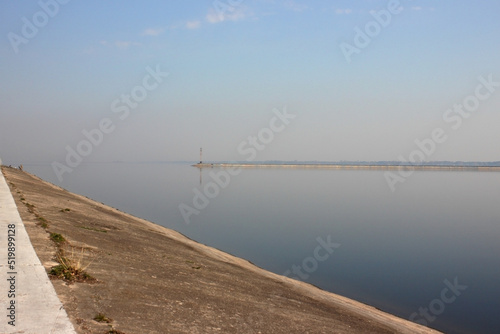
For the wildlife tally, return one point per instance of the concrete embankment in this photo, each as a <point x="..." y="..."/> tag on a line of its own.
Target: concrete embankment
<point x="150" y="279"/>
<point x="29" y="302"/>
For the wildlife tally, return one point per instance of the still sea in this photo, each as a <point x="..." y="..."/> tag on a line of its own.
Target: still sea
<point x="428" y="251"/>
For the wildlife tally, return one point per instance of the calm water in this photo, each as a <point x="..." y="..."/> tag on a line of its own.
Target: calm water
<point x="393" y="251"/>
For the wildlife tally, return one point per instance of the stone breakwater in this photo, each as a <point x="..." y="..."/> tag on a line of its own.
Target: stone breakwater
<point x="359" y="167"/>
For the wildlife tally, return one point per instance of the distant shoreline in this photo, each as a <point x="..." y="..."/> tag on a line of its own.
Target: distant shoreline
<point x="426" y="167"/>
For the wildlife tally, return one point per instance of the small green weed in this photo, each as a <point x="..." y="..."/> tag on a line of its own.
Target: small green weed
<point x="61" y="272"/>
<point x="57" y="238"/>
<point x="102" y="318"/>
<point x="30" y="207"/>
<point x="92" y="229"/>
<point x="193" y="264"/>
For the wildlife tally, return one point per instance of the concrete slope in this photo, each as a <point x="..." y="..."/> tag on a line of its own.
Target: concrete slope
<point x="29" y="302"/>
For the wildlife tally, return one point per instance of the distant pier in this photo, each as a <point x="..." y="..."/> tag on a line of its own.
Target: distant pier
<point x="350" y="166"/>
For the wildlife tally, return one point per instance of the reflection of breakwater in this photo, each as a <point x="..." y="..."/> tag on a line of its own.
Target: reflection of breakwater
<point x="352" y="167"/>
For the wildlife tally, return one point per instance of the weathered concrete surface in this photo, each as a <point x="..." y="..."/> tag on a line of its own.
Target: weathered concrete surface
<point x="37" y="308"/>
<point x="154" y="280"/>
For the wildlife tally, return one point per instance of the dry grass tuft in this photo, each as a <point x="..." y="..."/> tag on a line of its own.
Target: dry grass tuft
<point x="72" y="267"/>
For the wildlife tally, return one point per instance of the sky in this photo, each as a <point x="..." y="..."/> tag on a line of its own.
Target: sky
<point x="100" y="81"/>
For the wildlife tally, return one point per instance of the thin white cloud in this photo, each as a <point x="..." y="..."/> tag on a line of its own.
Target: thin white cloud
<point x="125" y="44"/>
<point x="153" y="31"/>
<point x="214" y="17"/>
<point x="122" y="44"/>
<point x="230" y="14"/>
<point x="296" y="7"/>
<point x="343" y="11"/>
<point x="420" y="9"/>
<point x="193" y="24"/>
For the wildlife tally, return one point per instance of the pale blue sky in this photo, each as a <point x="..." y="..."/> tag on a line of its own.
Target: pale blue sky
<point x="228" y="71"/>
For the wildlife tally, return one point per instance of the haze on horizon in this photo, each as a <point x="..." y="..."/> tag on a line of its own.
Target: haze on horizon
<point x="231" y="63"/>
